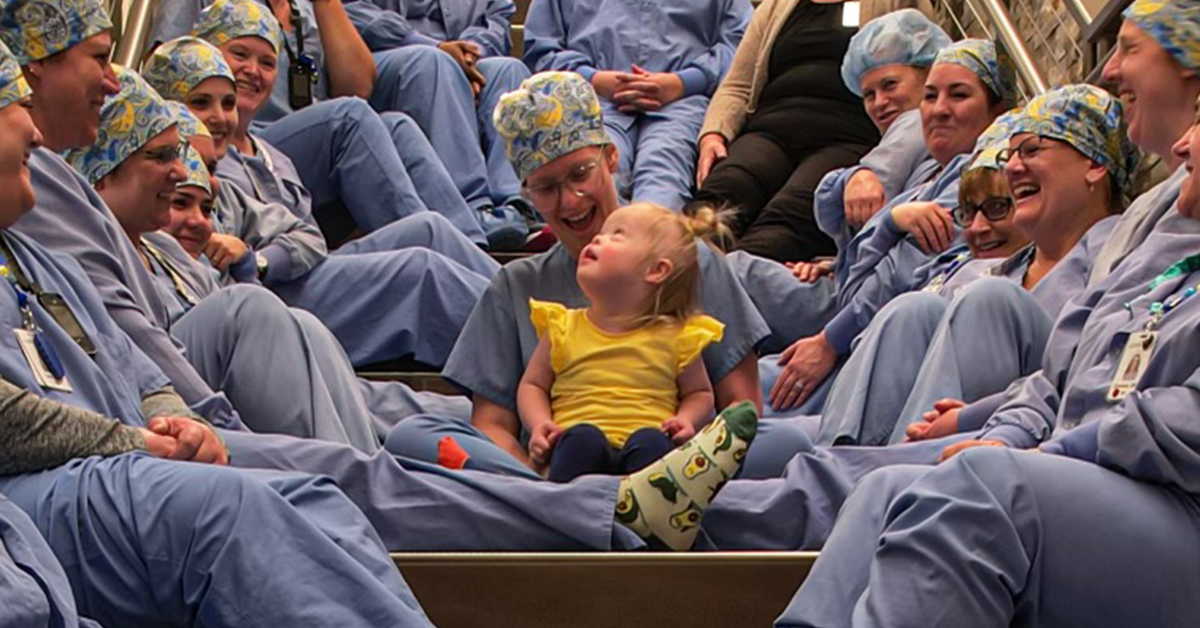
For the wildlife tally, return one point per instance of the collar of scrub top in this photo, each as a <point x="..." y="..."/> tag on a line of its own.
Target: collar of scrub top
<point x="904" y="37"/>
<point x="1089" y="119"/>
<point x="550" y="115"/>
<point x="1174" y="24"/>
<point x="175" y="68"/>
<point x="128" y="121"/>
<point x="184" y="292"/>
<point x="225" y="20"/>
<point x="36" y="29"/>
<point x="983" y="60"/>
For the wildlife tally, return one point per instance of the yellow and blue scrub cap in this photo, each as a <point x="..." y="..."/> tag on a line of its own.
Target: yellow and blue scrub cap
<point x="224" y="20"/>
<point x="189" y="124"/>
<point x="904" y="37"/>
<point x="128" y="121"/>
<point x="992" y="142"/>
<point x="550" y="115"/>
<point x="178" y="66"/>
<point x="1090" y="120"/>
<point x="980" y="57"/>
<point x="1174" y="24"/>
<point x="197" y="172"/>
<point x="12" y="83"/>
<point x="36" y="29"/>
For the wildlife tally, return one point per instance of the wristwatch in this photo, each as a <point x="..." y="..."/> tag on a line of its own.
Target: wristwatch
<point x="261" y="262"/>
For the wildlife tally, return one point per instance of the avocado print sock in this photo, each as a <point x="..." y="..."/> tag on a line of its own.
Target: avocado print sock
<point x="666" y="500"/>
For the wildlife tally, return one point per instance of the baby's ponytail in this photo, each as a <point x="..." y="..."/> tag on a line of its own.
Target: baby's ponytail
<point x="711" y="223"/>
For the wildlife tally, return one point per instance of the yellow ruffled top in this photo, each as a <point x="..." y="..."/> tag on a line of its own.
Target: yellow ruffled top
<point x="618" y="382"/>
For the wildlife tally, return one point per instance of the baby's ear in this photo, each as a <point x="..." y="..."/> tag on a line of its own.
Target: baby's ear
<point x="658" y="271"/>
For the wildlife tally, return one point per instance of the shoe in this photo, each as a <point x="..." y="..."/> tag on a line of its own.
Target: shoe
<point x="540" y="241"/>
<point x="505" y="227"/>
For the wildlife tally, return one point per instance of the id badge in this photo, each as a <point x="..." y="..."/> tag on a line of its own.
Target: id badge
<point x="1132" y="366"/>
<point x="300" y="87"/>
<point x="28" y="343"/>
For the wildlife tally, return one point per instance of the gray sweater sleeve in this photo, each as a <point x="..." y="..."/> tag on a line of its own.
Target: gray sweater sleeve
<point x="166" y="402"/>
<point x="38" y="433"/>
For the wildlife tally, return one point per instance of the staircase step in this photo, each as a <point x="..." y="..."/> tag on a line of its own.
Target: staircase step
<point x="601" y="590"/>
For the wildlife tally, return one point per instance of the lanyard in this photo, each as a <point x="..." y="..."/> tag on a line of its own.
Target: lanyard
<point x="181" y="287"/>
<point x="941" y="278"/>
<point x="1160" y="309"/>
<point x="16" y="279"/>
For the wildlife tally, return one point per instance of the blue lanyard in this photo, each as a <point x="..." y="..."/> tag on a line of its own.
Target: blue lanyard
<point x="1160" y="309"/>
<point x="45" y="350"/>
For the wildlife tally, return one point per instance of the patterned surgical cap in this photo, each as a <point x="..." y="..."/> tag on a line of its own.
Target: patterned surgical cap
<point x="178" y="66"/>
<point x="1174" y="24"/>
<point x="550" y="115"/>
<point x="197" y="172"/>
<point x="1090" y="120"/>
<point x="980" y="57"/>
<point x="36" y="29"/>
<point x="12" y="84"/>
<point x="224" y="20"/>
<point x="128" y="121"/>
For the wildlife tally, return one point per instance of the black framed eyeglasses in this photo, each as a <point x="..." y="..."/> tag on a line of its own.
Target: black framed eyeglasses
<point x="1028" y="149"/>
<point x="994" y="209"/>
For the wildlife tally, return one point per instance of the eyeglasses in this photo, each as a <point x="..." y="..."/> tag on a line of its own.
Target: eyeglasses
<point x="167" y="155"/>
<point x="580" y="180"/>
<point x="994" y="209"/>
<point x="1030" y="148"/>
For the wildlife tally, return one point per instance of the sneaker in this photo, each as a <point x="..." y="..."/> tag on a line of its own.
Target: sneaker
<point x="504" y="227"/>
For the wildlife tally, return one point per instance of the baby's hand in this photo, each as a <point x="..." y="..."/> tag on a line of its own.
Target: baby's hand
<point x="542" y="441"/>
<point x="679" y="430"/>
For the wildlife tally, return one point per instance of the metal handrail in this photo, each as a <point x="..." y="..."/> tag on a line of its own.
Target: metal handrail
<point x="997" y="25"/>
<point x="132" y="38"/>
<point x="1079" y="12"/>
<point x="1007" y="34"/>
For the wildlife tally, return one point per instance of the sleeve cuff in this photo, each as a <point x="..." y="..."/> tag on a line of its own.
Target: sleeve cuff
<point x="587" y="72"/>
<point x="973" y="416"/>
<point x="243" y="270"/>
<point x="1081" y="443"/>
<point x="694" y="81"/>
<point x="279" y="263"/>
<point x="413" y="38"/>
<point x="1010" y="435"/>
<point x="841" y="331"/>
<point x="889" y="223"/>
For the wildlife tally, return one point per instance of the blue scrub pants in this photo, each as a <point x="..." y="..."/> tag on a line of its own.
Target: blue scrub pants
<point x="997" y="538"/>
<point x="657" y="150"/>
<point x="150" y="542"/>
<point x="428" y="85"/>
<point x="381" y="168"/>
<point x="920" y="349"/>
<point x="34" y="590"/>
<point x="382" y="306"/>
<point x="797" y="510"/>
<point x="428" y="230"/>
<point x="279" y="367"/>
<point x="417" y="506"/>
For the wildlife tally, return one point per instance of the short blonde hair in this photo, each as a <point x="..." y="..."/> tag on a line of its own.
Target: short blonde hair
<point x="675" y="236"/>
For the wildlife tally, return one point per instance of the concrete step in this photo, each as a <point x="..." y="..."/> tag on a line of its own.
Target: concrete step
<point x="602" y="590"/>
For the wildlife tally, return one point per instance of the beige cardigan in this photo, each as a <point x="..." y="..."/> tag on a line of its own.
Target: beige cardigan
<point x="737" y="96"/>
